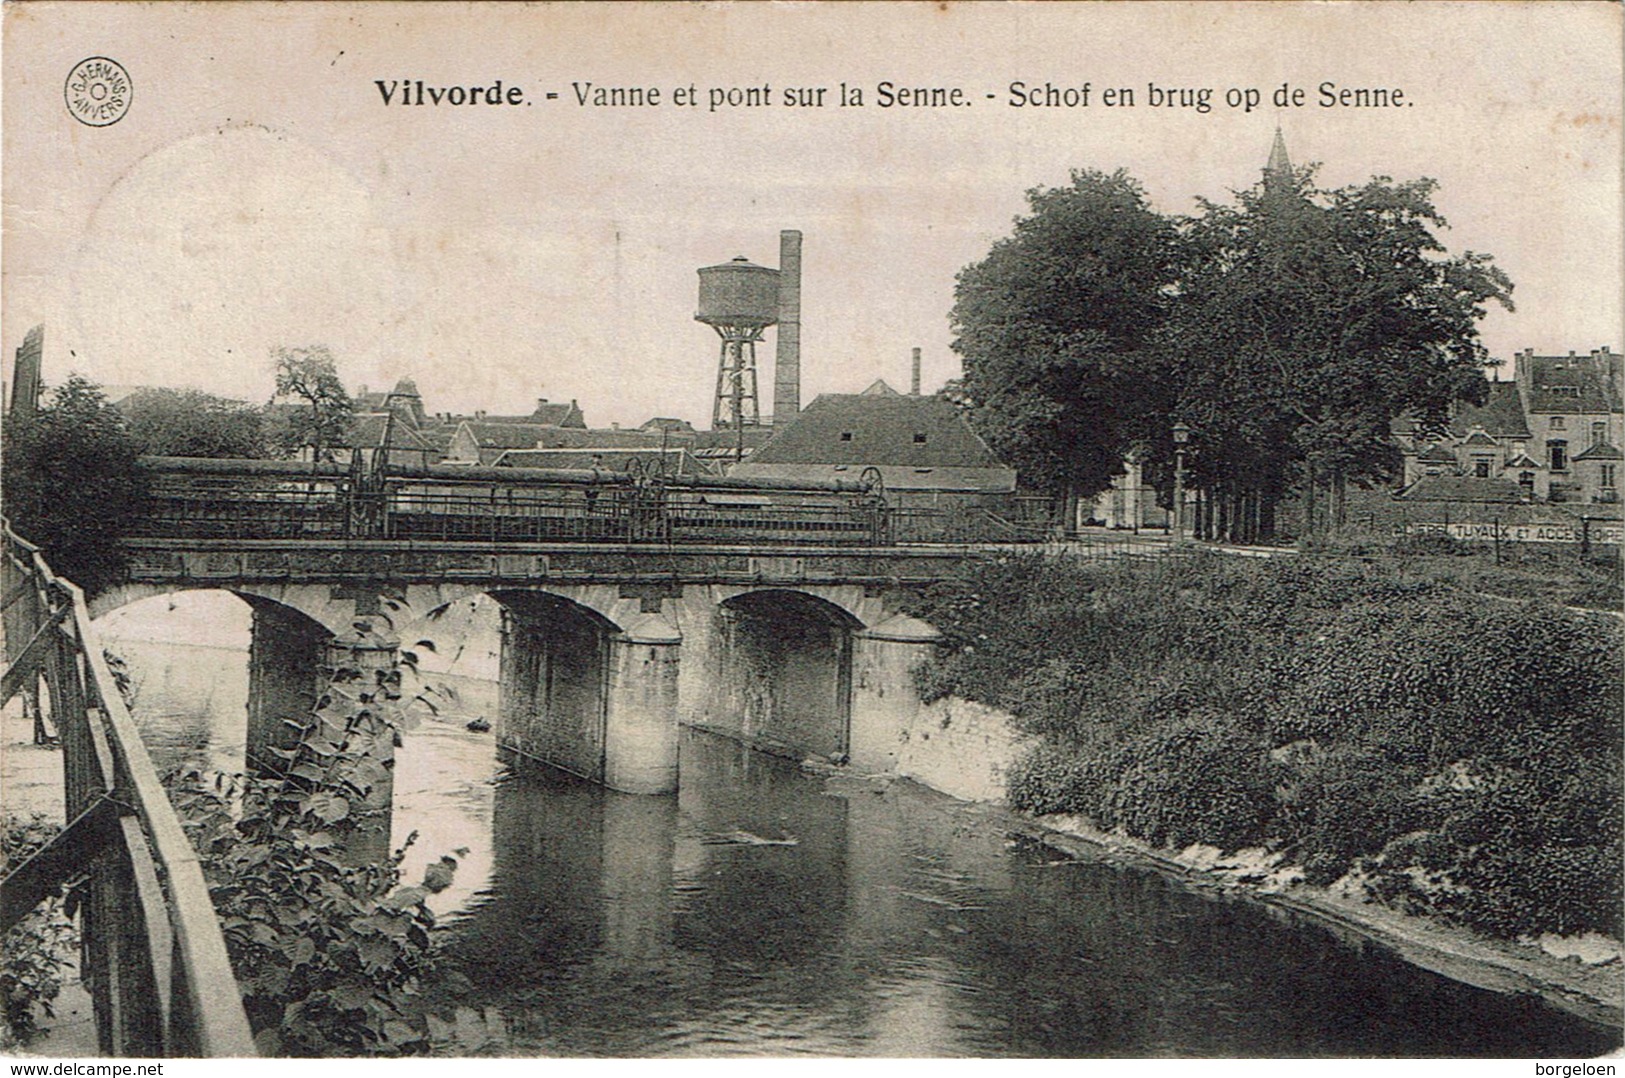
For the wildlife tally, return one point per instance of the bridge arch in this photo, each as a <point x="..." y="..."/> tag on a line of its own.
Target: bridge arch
<point x="588" y="684"/>
<point x="783" y="670"/>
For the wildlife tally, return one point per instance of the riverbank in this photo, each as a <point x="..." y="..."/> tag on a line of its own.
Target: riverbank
<point x="1594" y="991"/>
<point x="1464" y="755"/>
<point x="1589" y="984"/>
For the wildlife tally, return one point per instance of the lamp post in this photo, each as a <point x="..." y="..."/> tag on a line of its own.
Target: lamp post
<point x="1182" y="434"/>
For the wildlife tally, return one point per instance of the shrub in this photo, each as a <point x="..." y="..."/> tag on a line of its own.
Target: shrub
<point x="1465" y="752"/>
<point x="329" y="955"/>
<point x="36" y="950"/>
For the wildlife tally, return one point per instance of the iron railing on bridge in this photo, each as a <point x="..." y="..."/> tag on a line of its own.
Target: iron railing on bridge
<point x="153" y="957"/>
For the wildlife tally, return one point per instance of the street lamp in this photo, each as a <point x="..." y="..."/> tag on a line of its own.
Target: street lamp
<point x="1182" y="434"/>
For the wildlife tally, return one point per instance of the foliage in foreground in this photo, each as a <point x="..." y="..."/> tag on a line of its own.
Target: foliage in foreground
<point x="35" y="952"/>
<point x="1463" y="753"/>
<point x="330" y="954"/>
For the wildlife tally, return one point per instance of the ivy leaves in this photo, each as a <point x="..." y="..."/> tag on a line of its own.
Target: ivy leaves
<point x="329" y="954"/>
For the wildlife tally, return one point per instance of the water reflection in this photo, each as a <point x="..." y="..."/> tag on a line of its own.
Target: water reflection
<point x="899" y="922"/>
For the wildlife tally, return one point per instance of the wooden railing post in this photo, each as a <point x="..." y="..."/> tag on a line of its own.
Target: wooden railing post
<point x="149" y="935"/>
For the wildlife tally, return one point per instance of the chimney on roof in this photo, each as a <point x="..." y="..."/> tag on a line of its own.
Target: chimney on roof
<point x="914" y="376"/>
<point x="787" y="349"/>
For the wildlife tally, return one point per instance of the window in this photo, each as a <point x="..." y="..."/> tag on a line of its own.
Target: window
<point x="1599" y="432"/>
<point x="1557" y="422"/>
<point x="1608" y="477"/>
<point x="1526" y="480"/>
<point x="919" y="439"/>
<point x="1481" y="468"/>
<point x="846" y="436"/>
<point x="1558" y="453"/>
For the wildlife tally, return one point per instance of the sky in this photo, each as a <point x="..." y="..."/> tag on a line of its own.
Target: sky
<point x="259" y="193"/>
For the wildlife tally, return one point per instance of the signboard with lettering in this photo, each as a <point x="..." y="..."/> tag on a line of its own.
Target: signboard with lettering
<point x="1574" y="532"/>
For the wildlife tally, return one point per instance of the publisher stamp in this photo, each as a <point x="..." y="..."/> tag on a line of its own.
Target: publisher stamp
<point x="98" y="91"/>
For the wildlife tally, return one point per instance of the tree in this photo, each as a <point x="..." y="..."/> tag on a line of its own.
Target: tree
<point x="1307" y="321"/>
<point x="1055" y="328"/>
<point x="188" y="423"/>
<point x="72" y="485"/>
<point x="323" y="417"/>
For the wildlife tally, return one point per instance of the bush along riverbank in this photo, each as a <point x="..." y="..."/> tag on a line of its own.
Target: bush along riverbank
<point x="1452" y="756"/>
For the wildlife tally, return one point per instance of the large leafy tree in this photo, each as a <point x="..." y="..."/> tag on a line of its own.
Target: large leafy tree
<point x="1055" y="328"/>
<point x="71" y="483"/>
<point x="1307" y="321"/>
<point x="321" y="410"/>
<point x="189" y="423"/>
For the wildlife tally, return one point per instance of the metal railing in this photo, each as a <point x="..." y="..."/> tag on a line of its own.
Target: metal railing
<point x="153" y="958"/>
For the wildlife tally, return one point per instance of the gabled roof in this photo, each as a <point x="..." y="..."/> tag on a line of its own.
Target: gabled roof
<point x="1568" y="385"/>
<point x="669" y="425"/>
<point x="1523" y="462"/>
<point x="879" y="388"/>
<point x="1479" y="440"/>
<point x="897" y="431"/>
<point x="488" y="435"/>
<point x="1500" y="416"/>
<point x="1463" y="488"/>
<point x="1601" y="451"/>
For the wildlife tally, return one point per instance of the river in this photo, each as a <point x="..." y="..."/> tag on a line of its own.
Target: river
<point x="766" y="910"/>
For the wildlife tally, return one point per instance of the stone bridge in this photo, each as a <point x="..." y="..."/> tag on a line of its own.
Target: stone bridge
<point x="605" y="649"/>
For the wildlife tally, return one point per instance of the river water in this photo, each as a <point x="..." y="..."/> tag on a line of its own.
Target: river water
<point x="768" y="911"/>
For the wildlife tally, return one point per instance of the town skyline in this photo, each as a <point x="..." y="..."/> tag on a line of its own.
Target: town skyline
<point x="495" y="259"/>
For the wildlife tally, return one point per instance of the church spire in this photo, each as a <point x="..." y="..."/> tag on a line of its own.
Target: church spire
<point x="1279" y="168"/>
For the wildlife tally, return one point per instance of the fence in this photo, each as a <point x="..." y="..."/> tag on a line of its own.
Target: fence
<point x="153" y="957"/>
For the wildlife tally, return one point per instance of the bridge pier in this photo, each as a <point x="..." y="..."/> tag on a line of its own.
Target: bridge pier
<point x="375" y="653"/>
<point x="777" y="673"/>
<point x="587" y="697"/>
<point x="286" y="650"/>
<point x="885" y="700"/>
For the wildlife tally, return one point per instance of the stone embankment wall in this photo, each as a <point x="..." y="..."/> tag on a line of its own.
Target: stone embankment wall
<point x="960" y="748"/>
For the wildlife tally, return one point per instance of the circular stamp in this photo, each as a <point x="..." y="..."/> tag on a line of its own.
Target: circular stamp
<point x="98" y="91"/>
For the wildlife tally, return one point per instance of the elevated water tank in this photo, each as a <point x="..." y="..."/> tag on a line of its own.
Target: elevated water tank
<point x="738" y="293"/>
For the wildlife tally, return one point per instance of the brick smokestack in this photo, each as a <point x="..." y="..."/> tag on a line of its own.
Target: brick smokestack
<point x="787" y="357"/>
<point x="914" y="376"/>
<point x="25" y="381"/>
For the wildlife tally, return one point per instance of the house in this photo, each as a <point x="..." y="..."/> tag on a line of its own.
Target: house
<point x="1553" y="431"/>
<point x="1129" y="503"/>
<point x="403" y="402"/>
<point x="545" y="414"/>
<point x="925" y="452"/>
<point x="667" y="425"/>
<point x="1573" y="405"/>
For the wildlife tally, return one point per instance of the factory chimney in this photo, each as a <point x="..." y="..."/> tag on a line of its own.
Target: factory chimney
<point x="914" y="378"/>
<point x="787" y="357"/>
<point x="25" y="381"/>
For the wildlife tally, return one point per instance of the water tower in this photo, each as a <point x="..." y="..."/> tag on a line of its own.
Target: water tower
<point x="738" y="299"/>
